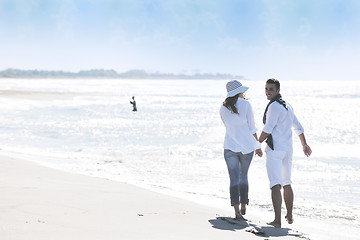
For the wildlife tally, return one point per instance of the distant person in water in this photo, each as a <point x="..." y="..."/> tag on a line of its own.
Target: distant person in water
<point x="279" y="119"/>
<point x="133" y="102"/>
<point x="239" y="144"/>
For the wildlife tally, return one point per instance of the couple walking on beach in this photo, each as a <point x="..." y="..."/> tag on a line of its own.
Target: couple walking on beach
<point x="241" y="142"/>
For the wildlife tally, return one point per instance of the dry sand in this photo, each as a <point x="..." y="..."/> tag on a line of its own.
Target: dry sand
<point x="37" y="202"/>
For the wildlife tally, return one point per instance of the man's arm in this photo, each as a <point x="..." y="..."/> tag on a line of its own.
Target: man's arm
<point x="306" y="148"/>
<point x="272" y="117"/>
<point x="263" y="136"/>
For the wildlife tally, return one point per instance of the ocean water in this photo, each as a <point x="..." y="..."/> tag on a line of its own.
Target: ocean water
<point x="173" y="143"/>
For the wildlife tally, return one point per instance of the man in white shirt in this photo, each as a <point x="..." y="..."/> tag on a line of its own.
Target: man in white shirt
<point x="279" y="119"/>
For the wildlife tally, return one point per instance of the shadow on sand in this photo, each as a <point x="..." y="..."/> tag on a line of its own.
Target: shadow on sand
<point x="231" y="224"/>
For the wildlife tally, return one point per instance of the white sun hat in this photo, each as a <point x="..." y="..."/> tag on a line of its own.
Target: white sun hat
<point x="235" y="87"/>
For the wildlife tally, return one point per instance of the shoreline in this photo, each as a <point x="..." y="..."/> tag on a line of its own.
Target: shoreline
<point x="42" y="203"/>
<point x="26" y="134"/>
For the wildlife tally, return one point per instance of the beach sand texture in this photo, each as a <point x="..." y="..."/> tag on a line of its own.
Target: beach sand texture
<point x="42" y="203"/>
<point x="82" y="127"/>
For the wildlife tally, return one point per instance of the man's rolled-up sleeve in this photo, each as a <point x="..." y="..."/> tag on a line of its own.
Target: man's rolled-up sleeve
<point x="298" y="128"/>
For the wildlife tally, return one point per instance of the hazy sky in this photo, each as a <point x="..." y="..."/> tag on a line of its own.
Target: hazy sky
<point x="285" y="39"/>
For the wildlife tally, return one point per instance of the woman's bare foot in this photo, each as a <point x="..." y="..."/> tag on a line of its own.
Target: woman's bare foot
<point x="243" y="209"/>
<point x="238" y="216"/>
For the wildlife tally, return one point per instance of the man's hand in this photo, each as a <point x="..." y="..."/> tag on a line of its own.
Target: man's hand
<point x="307" y="150"/>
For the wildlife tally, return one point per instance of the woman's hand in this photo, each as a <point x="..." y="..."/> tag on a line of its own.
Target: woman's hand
<point x="259" y="152"/>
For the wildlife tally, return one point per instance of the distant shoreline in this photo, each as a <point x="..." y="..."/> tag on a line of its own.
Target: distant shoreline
<point x="112" y="74"/>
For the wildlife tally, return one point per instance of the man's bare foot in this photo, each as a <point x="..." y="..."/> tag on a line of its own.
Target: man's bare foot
<point x="274" y="224"/>
<point x="290" y="220"/>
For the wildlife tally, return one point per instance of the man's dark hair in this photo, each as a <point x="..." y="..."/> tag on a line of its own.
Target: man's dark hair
<point x="274" y="81"/>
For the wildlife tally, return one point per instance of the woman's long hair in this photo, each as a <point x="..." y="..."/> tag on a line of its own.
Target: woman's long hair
<point x="230" y="102"/>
